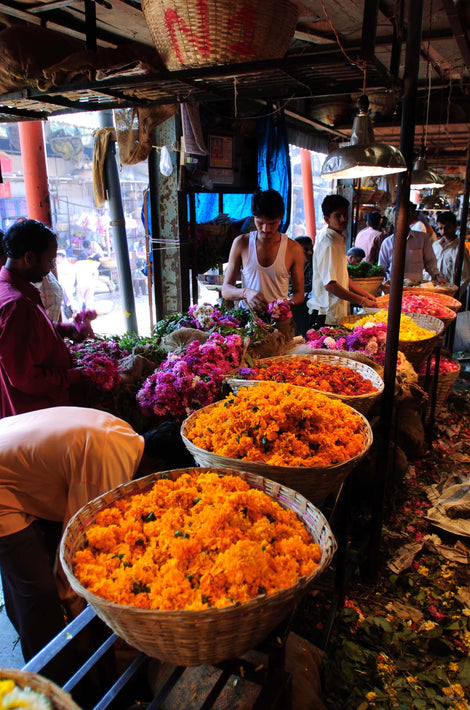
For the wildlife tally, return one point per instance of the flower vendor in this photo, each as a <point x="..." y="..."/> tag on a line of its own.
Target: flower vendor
<point x="332" y="288"/>
<point x="35" y="366"/>
<point x="419" y="252"/>
<point x="445" y="250"/>
<point x="52" y="462"/>
<point x="265" y="259"/>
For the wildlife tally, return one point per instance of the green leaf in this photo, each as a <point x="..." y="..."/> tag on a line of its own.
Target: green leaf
<point x="464" y="671"/>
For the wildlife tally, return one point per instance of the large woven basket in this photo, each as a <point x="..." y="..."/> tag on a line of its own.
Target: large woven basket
<point x="425" y="287"/>
<point x="196" y="34"/>
<point x="361" y="402"/>
<point x="60" y="700"/>
<point x="445" y="383"/>
<point x="313" y="483"/>
<point x="447" y="319"/>
<point x="211" y="635"/>
<point x="416" y="351"/>
<point x="372" y="285"/>
<point x="443" y="298"/>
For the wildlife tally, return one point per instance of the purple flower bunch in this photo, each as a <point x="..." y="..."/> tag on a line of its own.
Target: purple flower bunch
<point x="99" y="362"/>
<point x="279" y="310"/>
<point x="190" y="380"/>
<point x="369" y="339"/>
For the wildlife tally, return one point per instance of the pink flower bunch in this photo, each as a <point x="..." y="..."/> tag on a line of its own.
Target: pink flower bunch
<point x="185" y="382"/>
<point x="82" y="322"/>
<point x="446" y="364"/>
<point x="279" y="310"/>
<point x="369" y="339"/>
<point x="99" y="362"/>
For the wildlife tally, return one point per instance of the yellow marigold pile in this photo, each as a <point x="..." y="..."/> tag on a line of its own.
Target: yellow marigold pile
<point x="281" y="425"/>
<point x="197" y="542"/>
<point x="409" y="330"/>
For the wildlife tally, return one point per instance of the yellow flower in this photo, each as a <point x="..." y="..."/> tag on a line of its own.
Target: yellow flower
<point x="466" y="611"/>
<point x="371" y="696"/>
<point x="453" y="667"/>
<point x="428" y="625"/>
<point x="423" y="571"/>
<point x="454" y="691"/>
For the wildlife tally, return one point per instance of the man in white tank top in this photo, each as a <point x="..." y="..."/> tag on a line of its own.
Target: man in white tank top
<point x="265" y="259"/>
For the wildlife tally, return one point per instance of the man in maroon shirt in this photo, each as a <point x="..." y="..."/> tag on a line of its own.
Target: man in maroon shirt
<point x="35" y="366"/>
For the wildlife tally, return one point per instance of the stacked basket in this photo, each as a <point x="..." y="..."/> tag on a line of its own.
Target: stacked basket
<point x="447" y="314"/>
<point x="361" y="402"/>
<point x="445" y="382"/>
<point x="372" y="285"/>
<point x="208" y="636"/>
<point x="313" y="483"/>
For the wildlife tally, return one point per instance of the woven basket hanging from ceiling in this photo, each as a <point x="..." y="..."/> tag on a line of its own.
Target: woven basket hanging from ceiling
<point x="190" y="33"/>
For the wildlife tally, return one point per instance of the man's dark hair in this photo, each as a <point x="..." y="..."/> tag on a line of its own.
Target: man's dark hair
<point x="332" y="203"/>
<point x="374" y="220"/>
<point x="85" y="244"/>
<point x="267" y="203"/>
<point x="447" y="218"/>
<point x="165" y="443"/>
<point x="357" y="252"/>
<point x="27" y="235"/>
<point x="304" y="240"/>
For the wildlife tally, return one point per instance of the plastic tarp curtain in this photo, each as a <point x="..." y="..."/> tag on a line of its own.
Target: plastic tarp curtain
<point x="274" y="173"/>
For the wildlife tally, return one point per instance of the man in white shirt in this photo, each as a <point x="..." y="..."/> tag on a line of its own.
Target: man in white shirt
<point x="332" y="289"/>
<point x="446" y="249"/>
<point x="370" y="238"/>
<point x="419" y="253"/>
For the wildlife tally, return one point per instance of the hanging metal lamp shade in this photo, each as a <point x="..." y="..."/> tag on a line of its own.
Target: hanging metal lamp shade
<point x="423" y="178"/>
<point x="363" y="157"/>
<point x="434" y="203"/>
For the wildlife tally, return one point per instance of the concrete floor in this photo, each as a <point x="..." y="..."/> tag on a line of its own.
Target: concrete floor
<point x="10" y="649"/>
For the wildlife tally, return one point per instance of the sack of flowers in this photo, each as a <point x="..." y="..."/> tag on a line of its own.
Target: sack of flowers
<point x="438" y="297"/>
<point x="422" y="303"/>
<point x="449" y="370"/>
<point x="295" y="436"/>
<point x="197" y="565"/>
<point x="23" y="689"/>
<point x="338" y="377"/>
<point x="419" y="333"/>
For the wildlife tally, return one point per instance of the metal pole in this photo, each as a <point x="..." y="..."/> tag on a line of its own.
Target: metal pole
<point x="461" y="249"/>
<point x="118" y="226"/>
<point x="383" y="470"/>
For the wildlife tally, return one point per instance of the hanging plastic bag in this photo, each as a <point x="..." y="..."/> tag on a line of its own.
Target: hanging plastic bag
<point x="166" y="166"/>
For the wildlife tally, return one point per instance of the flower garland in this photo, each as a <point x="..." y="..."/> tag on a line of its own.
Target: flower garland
<point x="197" y="542"/>
<point x="280" y="425"/>
<point x="305" y="372"/>
<point x="185" y="382"/>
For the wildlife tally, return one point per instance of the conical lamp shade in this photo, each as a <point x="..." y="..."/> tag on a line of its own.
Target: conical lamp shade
<point x="423" y="178"/>
<point x="363" y="157"/>
<point x="434" y="203"/>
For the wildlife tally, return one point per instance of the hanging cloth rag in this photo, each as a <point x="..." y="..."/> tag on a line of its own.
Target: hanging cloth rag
<point x="102" y="137"/>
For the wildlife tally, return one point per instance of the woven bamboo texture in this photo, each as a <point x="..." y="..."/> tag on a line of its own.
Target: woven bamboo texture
<point x="361" y="402"/>
<point x="313" y="483"/>
<point x="444" y="388"/>
<point x="415" y="351"/>
<point x="60" y="700"/>
<point x="447" y="319"/>
<point x="212" y="635"/>
<point x="426" y="287"/>
<point x="191" y="34"/>
<point x="372" y="285"/>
